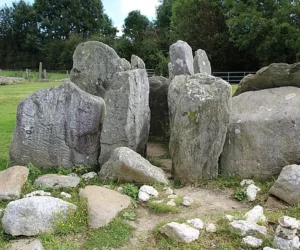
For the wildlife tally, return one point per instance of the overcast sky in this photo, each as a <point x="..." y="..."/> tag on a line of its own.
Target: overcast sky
<point x="117" y="10"/>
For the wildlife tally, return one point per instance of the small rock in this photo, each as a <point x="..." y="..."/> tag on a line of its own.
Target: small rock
<point x="120" y="189"/>
<point x="158" y="202"/>
<point x="66" y="195"/>
<point x="187" y="201"/>
<point x="247" y="228"/>
<point x="285" y="233"/>
<point x="143" y="196"/>
<point x="12" y="181"/>
<point x="180" y="232"/>
<point x="284" y="244"/>
<point x="171" y="203"/>
<point x="252" y="241"/>
<point x="196" y="223"/>
<point x="169" y="191"/>
<point x="256" y="215"/>
<point x="252" y="191"/>
<point x="37" y="193"/>
<point x="103" y="205"/>
<point x="149" y="190"/>
<point x="211" y="228"/>
<point x="288" y="222"/>
<point x="269" y="248"/>
<point x="25" y="244"/>
<point x="57" y="181"/>
<point x="246" y="182"/>
<point x="172" y="196"/>
<point x="89" y="176"/>
<point x="229" y="217"/>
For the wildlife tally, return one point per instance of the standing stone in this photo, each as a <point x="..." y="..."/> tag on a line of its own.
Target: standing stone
<point x="59" y="126"/>
<point x="35" y="215"/>
<point x="287" y="186"/>
<point x="181" y="55"/>
<point x="263" y="133"/>
<point x="125" y="64"/>
<point x="103" y="205"/>
<point x="201" y="62"/>
<point x="40" y="71"/>
<point x="199" y="107"/>
<point x="94" y="64"/>
<point x="274" y="76"/>
<point x="158" y="102"/>
<point x="128" y="114"/>
<point x="137" y="63"/>
<point x="12" y="181"/>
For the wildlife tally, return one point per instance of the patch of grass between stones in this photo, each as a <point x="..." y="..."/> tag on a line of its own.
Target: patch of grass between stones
<point x="161" y="208"/>
<point x="115" y="234"/>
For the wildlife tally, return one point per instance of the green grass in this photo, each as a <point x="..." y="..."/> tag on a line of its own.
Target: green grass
<point x="34" y="75"/>
<point x="10" y="96"/>
<point x="234" y="87"/>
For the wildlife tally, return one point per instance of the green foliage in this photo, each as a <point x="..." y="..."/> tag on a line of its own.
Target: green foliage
<point x="112" y="236"/>
<point x="131" y="190"/>
<point x="33" y="171"/>
<point x="161" y="208"/>
<point x="128" y="215"/>
<point x="240" y="194"/>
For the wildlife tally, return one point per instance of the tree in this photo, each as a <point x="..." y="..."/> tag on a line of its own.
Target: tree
<point x="268" y="29"/>
<point x="6" y="34"/>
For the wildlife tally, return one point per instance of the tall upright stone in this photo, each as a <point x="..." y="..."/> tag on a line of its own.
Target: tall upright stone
<point x="128" y="114"/>
<point x="137" y="63"/>
<point x="58" y="126"/>
<point x="94" y="64"/>
<point x="199" y="107"/>
<point x="181" y="55"/>
<point x="201" y="62"/>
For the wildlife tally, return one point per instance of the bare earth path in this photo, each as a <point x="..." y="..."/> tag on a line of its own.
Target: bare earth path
<point x="208" y="205"/>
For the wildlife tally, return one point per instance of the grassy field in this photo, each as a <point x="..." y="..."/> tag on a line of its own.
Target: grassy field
<point x="10" y="96"/>
<point x="34" y="75"/>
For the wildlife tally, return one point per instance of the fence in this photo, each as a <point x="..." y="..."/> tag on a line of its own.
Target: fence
<point x="150" y="72"/>
<point x="233" y="77"/>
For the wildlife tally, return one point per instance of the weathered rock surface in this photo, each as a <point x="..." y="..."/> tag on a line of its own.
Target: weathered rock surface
<point x="180" y="232"/>
<point x="199" y="107"/>
<point x="127" y="165"/>
<point x="12" y="181"/>
<point x="256" y="215"/>
<point x="285" y="233"/>
<point x="284" y="244"/>
<point x="258" y="122"/>
<point x="274" y="76"/>
<point x="251" y="192"/>
<point x="288" y="222"/>
<point x="103" y="205"/>
<point x="287" y="186"/>
<point x="94" y="64"/>
<point x="158" y="103"/>
<point x="59" y="126"/>
<point x="146" y="192"/>
<point x="11" y="80"/>
<point x="201" y="62"/>
<point x="196" y="223"/>
<point x="247" y="228"/>
<point x="24" y="244"/>
<point x="56" y="181"/>
<point x="170" y="69"/>
<point x="137" y="63"/>
<point x="35" y="215"/>
<point x="89" y="175"/>
<point x="252" y="241"/>
<point x="128" y="115"/>
<point x="125" y="64"/>
<point x="181" y="56"/>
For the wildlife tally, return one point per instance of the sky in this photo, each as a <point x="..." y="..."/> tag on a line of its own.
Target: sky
<point x="118" y="10"/>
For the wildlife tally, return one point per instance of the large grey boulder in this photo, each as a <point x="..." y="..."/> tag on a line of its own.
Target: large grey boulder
<point x="263" y="134"/>
<point x="287" y="186"/>
<point x="103" y="205"/>
<point x="12" y="181"/>
<point x="158" y="102"/>
<point x="56" y="181"/>
<point x="94" y="64"/>
<point x="181" y="56"/>
<point x="199" y="107"/>
<point x="128" y="115"/>
<point x="35" y="215"/>
<point x="274" y="76"/>
<point x="127" y="165"/>
<point x="58" y="126"/>
<point x="137" y="63"/>
<point x="201" y="62"/>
